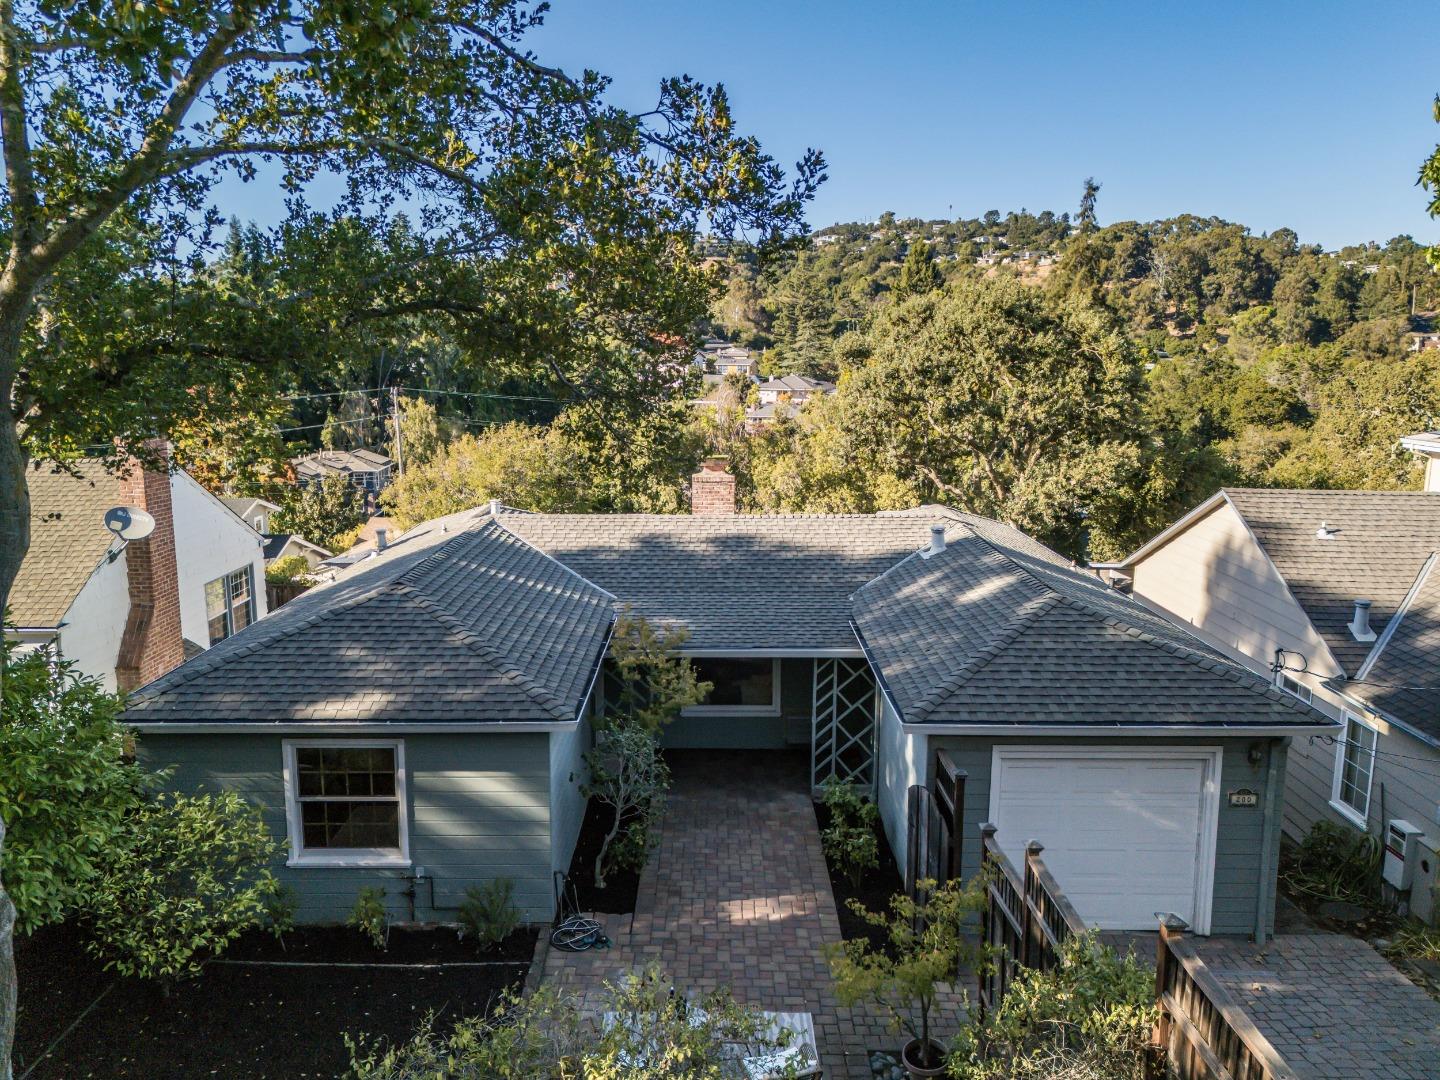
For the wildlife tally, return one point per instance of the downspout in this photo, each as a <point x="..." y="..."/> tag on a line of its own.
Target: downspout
<point x="1269" y="837"/>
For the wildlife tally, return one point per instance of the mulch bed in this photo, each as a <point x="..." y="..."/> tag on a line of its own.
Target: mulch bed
<point x="621" y="887"/>
<point x="249" y="1023"/>
<point x="407" y="945"/>
<point x="876" y="888"/>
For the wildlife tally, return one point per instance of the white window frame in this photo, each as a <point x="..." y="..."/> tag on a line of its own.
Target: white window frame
<point x="1359" y="818"/>
<point x="773" y="709"/>
<point x="343" y="857"/>
<point x="1294" y="687"/>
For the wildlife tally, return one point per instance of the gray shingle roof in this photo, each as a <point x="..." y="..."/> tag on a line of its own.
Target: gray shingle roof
<point x="1404" y="679"/>
<point x="457" y="621"/>
<point x="742" y="582"/>
<point x="1382" y="539"/>
<point x="68" y="540"/>
<point x="998" y="629"/>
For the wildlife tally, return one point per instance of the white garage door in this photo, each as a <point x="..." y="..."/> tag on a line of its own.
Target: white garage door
<point x="1127" y="833"/>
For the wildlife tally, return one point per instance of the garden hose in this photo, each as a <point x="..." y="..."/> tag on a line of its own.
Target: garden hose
<point x="573" y="932"/>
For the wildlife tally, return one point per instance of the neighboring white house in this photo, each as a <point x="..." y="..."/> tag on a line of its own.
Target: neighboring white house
<point x="1332" y="595"/>
<point x="793" y="388"/>
<point x="127" y="613"/>
<point x="256" y="513"/>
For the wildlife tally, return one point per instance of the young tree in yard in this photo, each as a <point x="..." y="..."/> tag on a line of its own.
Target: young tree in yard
<point x="324" y="513"/>
<point x="183" y="879"/>
<point x="647" y="683"/>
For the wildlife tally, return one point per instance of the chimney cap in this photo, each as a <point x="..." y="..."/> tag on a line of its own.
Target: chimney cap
<point x="715" y="463"/>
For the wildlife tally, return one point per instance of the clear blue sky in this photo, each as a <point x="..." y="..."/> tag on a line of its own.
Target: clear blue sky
<point x="1313" y="115"/>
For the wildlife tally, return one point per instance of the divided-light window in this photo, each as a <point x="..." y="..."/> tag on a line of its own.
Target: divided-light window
<point x="346" y="802"/>
<point x="230" y="603"/>
<point x="1354" y="769"/>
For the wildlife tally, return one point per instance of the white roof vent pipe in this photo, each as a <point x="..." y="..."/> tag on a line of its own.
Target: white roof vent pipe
<point x="494" y="507"/>
<point x="1360" y="622"/>
<point x="382" y="539"/>
<point x="937" y="541"/>
<point x="1326" y="531"/>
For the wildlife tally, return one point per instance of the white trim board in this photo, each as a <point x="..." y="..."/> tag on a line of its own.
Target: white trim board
<point x="1212" y="756"/>
<point x="343" y="858"/>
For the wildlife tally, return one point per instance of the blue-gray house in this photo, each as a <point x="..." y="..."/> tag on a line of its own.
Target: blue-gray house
<point x="430" y="708"/>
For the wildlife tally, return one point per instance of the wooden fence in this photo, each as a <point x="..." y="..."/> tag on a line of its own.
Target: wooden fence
<point x="1025" y="920"/>
<point x="1203" y="1032"/>
<point x="277" y="594"/>
<point x="936" y="815"/>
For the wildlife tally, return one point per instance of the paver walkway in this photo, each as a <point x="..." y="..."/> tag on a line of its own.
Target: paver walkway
<point x="1333" y="1007"/>
<point x="737" y="896"/>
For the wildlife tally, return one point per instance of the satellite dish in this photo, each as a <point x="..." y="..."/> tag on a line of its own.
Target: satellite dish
<point x="129" y="522"/>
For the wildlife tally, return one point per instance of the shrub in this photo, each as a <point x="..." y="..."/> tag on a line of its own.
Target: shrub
<point x="291" y="570"/>
<point x="648" y="681"/>
<point x="1335" y="862"/>
<point x="66" y="787"/>
<point x="370" y="917"/>
<point x="488" y="912"/>
<point x="628" y="775"/>
<point x="549" y="1036"/>
<point x="280" y="908"/>
<point x="538" y="1037"/>
<point x="1089" y="1017"/>
<point x="849" y="839"/>
<point x="925" y="949"/>
<point x="185" y="877"/>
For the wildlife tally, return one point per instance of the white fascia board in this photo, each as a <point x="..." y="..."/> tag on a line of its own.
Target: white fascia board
<point x="1195" y="731"/>
<point x="782" y="654"/>
<point x="301" y="727"/>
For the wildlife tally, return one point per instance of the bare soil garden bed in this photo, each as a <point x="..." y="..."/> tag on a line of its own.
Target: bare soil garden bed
<point x="260" y="1022"/>
<point x="874" y="892"/>
<point x="621" y="886"/>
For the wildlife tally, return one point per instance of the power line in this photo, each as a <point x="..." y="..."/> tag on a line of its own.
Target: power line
<point x="331" y="393"/>
<point x="470" y="394"/>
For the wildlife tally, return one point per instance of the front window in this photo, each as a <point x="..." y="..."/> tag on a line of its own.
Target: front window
<point x="230" y="603"/>
<point x="1354" y="767"/>
<point x="346" y="802"/>
<point x="739" y="685"/>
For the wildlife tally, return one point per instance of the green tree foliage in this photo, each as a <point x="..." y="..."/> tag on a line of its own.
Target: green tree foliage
<point x="291" y="570"/>
<point x="523" y="466"/>
<point x="325" y="513"/>
<point x="918" y="274"/>
<point x="185" y="877"/>
<point x="551" y="1035"/>
<point x="422" y="434"/>
<point x="989" y="397"/>
<point x="924" y="947"/>
<point x="66" y="784"/>
<point x="1085" y="220"/>
<point x="1090" y="1016"/>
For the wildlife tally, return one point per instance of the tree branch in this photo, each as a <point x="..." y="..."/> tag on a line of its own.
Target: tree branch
<point x="14" y="129"/>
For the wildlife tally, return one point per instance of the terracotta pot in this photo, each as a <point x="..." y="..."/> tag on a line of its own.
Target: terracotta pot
<point x="910" y="1057"/>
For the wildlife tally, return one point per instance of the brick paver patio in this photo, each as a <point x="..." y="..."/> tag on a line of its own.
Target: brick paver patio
<point x="737" y="895"/>
<point x="1333" y="1007"/>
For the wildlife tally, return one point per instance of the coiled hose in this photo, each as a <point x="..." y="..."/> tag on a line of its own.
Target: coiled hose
<point x="572" y="931"/>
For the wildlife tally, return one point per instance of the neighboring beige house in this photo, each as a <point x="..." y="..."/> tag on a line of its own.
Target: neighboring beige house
<point x="793" y="388"/>
<point x="256" y="513"/>
<point x="1331" y="594"/>
<point x="368" y="470"/>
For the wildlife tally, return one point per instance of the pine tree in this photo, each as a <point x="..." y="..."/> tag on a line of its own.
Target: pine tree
<point x="919" y="273"/>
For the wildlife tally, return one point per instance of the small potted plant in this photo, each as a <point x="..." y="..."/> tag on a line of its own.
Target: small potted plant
<point x="926" y="951"/>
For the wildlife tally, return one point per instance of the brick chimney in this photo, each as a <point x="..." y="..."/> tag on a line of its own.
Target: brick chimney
<point x="712" y="489"/>
<point x="153" y="643"/>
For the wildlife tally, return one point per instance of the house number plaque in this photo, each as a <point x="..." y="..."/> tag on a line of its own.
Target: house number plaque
<point x="1244" y="797"/>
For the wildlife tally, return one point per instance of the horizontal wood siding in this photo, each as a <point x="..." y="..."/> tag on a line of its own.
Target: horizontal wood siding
<point x="1217" y="578"/>
<point x="567" y="775"/>
<point x="479" y="808"/>
<point x="900" y="763"/>
<point x="1240" y="832"/>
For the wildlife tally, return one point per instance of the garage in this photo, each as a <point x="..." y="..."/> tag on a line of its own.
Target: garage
<point x="1128" y="832"/>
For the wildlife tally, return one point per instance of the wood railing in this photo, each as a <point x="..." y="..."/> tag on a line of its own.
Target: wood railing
<point x="1203" y="1033"/>
<point x="1025" y="920"/>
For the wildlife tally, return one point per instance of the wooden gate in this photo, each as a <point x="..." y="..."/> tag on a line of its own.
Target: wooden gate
<point x="842" y="729"/>
<point x="936" y="823"/>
